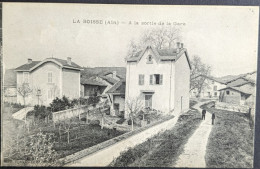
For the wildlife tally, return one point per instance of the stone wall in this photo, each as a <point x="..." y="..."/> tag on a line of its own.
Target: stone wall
<point x="232" y="107"/>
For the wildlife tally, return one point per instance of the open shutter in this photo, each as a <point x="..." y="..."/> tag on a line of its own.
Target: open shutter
<point x="151" y="79"/>
<point x="140" y="76"/>
<point x="161" y="79"/>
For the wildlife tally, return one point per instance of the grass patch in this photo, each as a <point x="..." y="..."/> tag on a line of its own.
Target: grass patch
<point x="163" y="149"/>
<point x="231" y="140"/>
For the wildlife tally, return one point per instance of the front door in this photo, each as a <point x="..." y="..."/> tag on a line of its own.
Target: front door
<point x="148" y="101"/>
<point x="116" y="108"/>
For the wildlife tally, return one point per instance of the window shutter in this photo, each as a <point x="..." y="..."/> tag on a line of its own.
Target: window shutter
<point x="142" y="79"/>
<point x="151" y="79"/>
<point x="139" y="80"/>
<point x="161" y="79"/>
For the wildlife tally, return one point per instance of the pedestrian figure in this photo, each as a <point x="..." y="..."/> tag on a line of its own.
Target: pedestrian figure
<point x="213" y="118"/>
<point x="203" y="114"/>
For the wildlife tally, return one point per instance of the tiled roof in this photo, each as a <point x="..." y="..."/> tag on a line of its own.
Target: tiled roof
<point x="91" y="82"/>
<point x="64" y="63"/>
<point x="238" y="82"/>
<point x="211" y="78"/>
<point x="118" y="88"/>
<point x="238" y="89"/>
<point x="10" y="78"/>
<point x="163" y="54"/>
<point x="27" y="67"/>
<point x="109" y="79"/>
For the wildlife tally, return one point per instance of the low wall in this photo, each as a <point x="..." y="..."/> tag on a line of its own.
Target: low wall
<point x="232" y="107"/>
<point x="69" y="113"/>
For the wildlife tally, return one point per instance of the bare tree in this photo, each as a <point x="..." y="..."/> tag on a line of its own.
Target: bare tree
<point x="24" y="90"/>
<point x="159" y="38"/>
<point x="199" y="73"/>
<point x="134" y="106"/>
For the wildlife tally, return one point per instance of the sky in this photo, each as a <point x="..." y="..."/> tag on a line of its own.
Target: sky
<point x="224" y="37"/>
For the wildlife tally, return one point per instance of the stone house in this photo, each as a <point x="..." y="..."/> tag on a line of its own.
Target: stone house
<point x="159" y="78"/>
<point x="48" y="79"/>
<point x="241" y="91"/>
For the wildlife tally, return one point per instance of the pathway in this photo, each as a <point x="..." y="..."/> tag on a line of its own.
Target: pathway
<point x="21" y="114"/>
<point x="105" y="156"/>
<point x="195" y="148"/>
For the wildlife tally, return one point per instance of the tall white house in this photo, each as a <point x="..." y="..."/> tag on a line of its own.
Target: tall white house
<point x="159" y="78"/>
<point x="48" y="79"/>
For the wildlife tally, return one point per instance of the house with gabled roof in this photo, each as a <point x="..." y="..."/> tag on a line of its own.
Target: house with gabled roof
<point x="116" y="96"/>
<point x="240" y="91"/>
<point x="159" y="78"/>
<point x="48" y="79"/>
<point x="210" y="88"/>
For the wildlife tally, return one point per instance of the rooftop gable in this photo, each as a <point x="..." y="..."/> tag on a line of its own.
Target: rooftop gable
<point x="34" y="64"/>
<point x="161" y="54"/>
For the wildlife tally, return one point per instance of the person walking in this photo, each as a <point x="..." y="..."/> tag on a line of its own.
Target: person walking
<point x="213" y="118"/>
<point x="203" y="114"/>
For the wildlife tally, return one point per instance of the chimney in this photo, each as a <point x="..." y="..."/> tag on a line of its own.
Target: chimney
<point x="178" y="45"/>
<point x="69" y="60"/>
<point x="114" y="74"/>
<point x="29" y="61"/>
<point x="181" y="45"/>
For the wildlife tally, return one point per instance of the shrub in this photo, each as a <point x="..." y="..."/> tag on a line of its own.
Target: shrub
<point x="94" y="122"/>
<point x="60" y="104"/>
<point x="120" y="121"/>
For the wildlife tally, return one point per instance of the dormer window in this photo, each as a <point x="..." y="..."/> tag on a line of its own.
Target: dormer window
<point x="149" y="59"/>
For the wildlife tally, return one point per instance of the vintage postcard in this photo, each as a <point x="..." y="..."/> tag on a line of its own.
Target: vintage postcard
<point x="128" y="85"/>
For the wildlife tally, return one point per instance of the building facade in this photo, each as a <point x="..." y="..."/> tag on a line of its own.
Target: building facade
<point x="160" y="79"/>
<point x="46" y="80"/>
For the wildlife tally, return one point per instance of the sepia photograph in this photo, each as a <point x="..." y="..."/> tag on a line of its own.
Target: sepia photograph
<point x="110" y="85"/>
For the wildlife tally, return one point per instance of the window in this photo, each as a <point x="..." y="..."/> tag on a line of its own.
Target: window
<point x="148" y="101"/>
<point x="49" y="77"/>
<point x="141" y="79"/>
<point x="215" y="88"/>
<point x="216" y="94"/>
<point x="26" y="77"/>
<point x="156" y="79"/>
<point x="227" y="92"/>
<point x="149" y="59"/>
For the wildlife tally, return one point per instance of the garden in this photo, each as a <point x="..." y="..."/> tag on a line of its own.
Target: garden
<point x="53" y="141"/>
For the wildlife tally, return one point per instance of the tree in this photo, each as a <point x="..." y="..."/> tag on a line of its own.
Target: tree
<point x="24" y="90"/>
<point x="159" y="38"/>
<point x="134" y="106"/>
<point x="199" y="73"/>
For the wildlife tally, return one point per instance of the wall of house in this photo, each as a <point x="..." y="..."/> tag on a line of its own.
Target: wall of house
<point x="117" y="99"/>
<point x="38" y="79"/>
<point x="209" y="91"/>
<point x="71" y="83"/>
<point x="182" y="85"/>
<point x="234" y="97"/>
<point x="161" y="95"/>
<point x="10" y="94"/>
